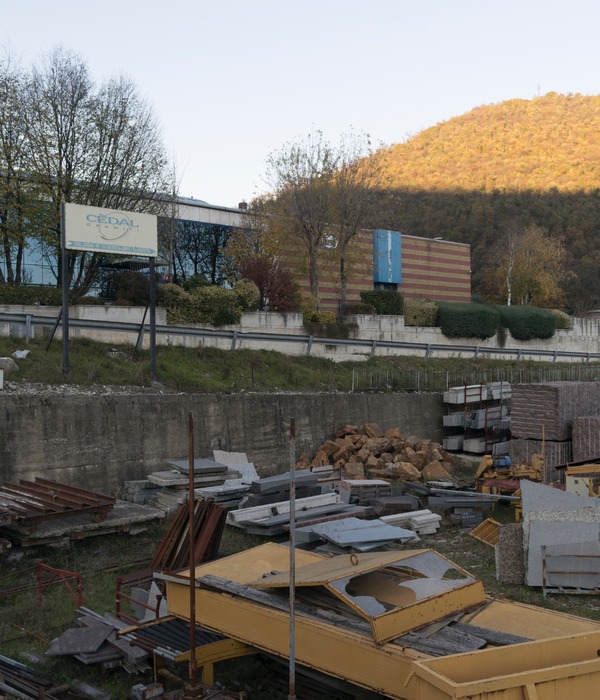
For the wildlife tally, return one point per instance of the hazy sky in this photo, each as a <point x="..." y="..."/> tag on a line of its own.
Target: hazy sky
<point x="231" y="81"/>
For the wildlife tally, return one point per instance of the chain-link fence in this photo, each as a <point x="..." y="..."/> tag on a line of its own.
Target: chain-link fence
<point x="426" y="380"/>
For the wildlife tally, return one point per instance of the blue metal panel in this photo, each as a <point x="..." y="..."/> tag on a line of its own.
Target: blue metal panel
<point x="387" y="256"/>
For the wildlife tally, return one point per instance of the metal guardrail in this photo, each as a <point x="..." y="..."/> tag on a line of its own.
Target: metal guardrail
<point x="30" y="321"/>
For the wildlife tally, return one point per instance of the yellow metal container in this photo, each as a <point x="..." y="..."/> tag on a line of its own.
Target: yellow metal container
<point x="564" y="668"/>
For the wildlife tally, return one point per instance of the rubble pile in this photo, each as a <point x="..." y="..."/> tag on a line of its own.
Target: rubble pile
<point x="365" y="451"/>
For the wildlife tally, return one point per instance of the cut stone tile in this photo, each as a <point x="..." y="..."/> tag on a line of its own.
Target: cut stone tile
<point x="80" y="640"/>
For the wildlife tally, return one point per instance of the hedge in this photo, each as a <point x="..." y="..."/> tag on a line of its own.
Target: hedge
<point x="527" y="322"/>
<point x="44" y="295"/>
<point x="420" y="312"/>
<point x="386" y="302"/>
<point x="462" y="320"/>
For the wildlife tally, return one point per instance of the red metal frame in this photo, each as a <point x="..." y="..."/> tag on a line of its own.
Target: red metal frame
<point x="59" y="576"/>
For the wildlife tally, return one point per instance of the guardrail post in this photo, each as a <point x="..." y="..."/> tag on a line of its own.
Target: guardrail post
<point x="476" y="352"/>
<point x="28" y="333"/>
<point x="309" y="345"/>
<point x="373" y="347"/>
<point x="234" y="340"/>
<point x="555" y="356"/>
<point x="428" y="351"/>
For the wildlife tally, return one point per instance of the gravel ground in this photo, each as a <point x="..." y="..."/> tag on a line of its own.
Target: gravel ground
<point x="38" y="389"/>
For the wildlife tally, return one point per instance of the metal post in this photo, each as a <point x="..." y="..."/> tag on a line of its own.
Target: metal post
<point x="65" y="291"/>
<point x="292" y="686"/>
<point x="152" y="320"/>
<point x="192" y="667"/>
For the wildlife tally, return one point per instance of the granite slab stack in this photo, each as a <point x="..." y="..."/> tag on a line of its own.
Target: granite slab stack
<point x="586" y="438"/>
<point x="543" y="419"/>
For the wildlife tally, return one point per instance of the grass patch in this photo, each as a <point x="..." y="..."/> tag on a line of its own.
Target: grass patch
<point x="209" y="370"/>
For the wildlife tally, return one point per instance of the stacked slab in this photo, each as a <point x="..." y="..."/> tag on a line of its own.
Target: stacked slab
<point x="586" y="438"/>
<point x="543" y="419"/>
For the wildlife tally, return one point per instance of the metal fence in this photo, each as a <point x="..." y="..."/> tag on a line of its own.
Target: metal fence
<point x="423" y="379"/>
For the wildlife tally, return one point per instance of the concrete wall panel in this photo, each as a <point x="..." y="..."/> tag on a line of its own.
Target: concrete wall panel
<point x="98" y="441"/>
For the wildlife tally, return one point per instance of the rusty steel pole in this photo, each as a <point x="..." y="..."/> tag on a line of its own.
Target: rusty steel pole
<point x="292" y="682"/>
<point x="192" y="667"/>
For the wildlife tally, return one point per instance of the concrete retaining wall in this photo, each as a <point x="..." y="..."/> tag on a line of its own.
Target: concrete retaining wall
<point x="583" y="337"/>
<point x="99" y="441"/>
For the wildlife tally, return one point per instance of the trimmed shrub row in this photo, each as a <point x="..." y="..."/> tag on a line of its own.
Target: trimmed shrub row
<point x="386" y="302"/>
<point x="28" y="295"/>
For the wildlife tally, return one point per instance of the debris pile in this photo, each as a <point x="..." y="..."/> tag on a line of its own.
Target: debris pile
<point x="365" y="451"/>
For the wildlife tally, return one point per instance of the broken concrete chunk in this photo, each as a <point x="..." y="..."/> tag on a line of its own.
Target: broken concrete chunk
<point x="8" y="365"/>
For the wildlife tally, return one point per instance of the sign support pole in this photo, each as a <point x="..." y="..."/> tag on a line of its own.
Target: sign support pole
<point x="65" y="291"/>
<point x="152" y="319"/>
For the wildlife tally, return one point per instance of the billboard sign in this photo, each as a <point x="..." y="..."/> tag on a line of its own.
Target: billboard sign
<point x="101" y="230"/>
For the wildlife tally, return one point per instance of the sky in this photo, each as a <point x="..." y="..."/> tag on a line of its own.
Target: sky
<point x="232" y="81"/>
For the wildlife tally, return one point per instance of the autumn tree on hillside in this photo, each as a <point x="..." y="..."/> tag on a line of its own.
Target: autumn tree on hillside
<point x="531" y="266"/>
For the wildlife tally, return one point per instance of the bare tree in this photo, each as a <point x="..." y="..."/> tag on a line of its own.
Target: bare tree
<point x="87" y="145"/>
<point x="17" y="200"/>
<point x="354" y="196"/>
<point x="300" y="175"/>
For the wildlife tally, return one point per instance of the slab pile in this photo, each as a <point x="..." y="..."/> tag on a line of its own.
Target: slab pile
<point x="174" y="482"/>
<point x="47" y="512"/>
<point x="232" y="491"/>
<point x="561" y="525"/>
<point x="544" y="417"/>
<point x="421" y="522"/>
<point x="365" y="451"/>
<point x="353" y="535"/>
<point x="273" y="519"/>
<point x="586" y="438"/>
<point x="20" y="681"/>
<point x="94" y="641"/>
<point x="273" y="489"/>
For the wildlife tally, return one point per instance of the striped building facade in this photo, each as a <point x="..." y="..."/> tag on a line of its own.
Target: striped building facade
<point x="433" y="268"/>
<point x="417" y="267"/>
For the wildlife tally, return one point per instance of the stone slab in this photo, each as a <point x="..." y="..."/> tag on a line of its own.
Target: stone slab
<point x="556" y="527"/>
<point x="80" y="640"/>
<point x="510" y="554"/>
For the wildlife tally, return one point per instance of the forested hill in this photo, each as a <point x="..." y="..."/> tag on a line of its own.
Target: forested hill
<point x="528" y="161"/>
<point x="547" y="142"/>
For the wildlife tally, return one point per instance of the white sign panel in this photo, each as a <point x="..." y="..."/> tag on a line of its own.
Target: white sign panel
<point x="108" y="231"/>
